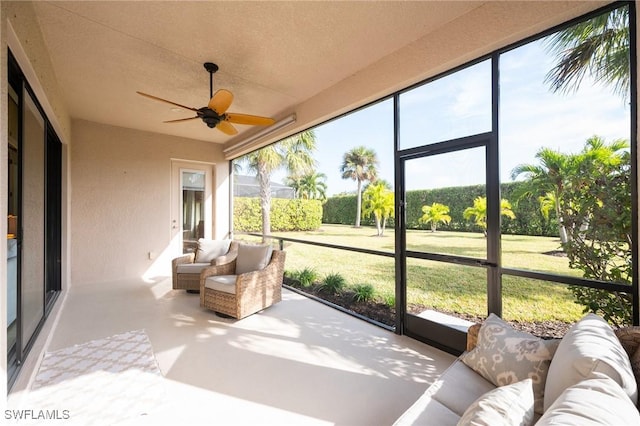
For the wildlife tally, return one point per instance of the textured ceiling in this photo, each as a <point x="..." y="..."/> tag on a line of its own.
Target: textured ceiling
<point x="272" y="55"/>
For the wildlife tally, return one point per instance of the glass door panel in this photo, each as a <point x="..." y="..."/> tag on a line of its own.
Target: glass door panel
<point x="32" y="219"/>
<point x="446" y="203"/>
<point x="12" y="228"/>
<point x="193" y="191"/>
<point x="445" y="227"/>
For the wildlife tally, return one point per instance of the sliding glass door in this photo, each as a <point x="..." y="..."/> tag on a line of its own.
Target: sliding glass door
<point x="34" y="218"/>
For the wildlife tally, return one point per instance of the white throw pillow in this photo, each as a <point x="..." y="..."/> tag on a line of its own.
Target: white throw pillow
<point x="589" y="346"/>
<point x="504" y="356"/>
<point x="510" y="405"/>
<point x="252" y="257"/>
<point x="211" y="249"/>
<point x="595" y="401"/>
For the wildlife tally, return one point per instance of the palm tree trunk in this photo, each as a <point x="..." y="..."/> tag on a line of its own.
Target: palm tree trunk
<point x="264" y="179"/>
<point x="378" y="227"/>
<point x="562" y="231"/>
<point x="358" y="203"/>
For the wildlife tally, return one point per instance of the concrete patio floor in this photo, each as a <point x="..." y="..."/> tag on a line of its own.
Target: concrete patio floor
<point x="297" y="362"/>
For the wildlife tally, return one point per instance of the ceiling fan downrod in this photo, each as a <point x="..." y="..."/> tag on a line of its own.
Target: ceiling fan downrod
<point x="212" y="68"/>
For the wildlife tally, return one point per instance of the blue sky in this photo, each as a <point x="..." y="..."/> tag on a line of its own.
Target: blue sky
<point x="531" y="117"/>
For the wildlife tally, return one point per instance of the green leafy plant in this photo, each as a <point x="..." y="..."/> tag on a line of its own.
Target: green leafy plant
<point x="363" y="293"/>
<point x="389" y="299"/>
<point x="307" y="276"/>
<point x="378" y="200"/>
<point x="435" y="213"/>
<point x="333" y="283"/>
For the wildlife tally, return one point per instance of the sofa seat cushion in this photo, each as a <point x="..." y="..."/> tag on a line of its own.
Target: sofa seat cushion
<point x="428" y="411"/>
<point x="589" y="346"/>
<point x="210" y="249"/>
<point x="191" y="268"/>
<point x="505" y="356"/>
<point x="595" y="401"/>
<point x="447" y="398"/>
<point x="510" y="405"/>
<point x="224" y="283"/>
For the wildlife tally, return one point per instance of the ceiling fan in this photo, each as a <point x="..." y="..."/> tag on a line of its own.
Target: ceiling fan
<point x="215" y="113"/>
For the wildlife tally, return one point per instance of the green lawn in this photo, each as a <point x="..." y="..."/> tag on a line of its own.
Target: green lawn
<point x="438" y="285"/>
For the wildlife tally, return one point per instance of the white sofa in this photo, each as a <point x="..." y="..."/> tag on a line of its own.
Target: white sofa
<point x="509" y="377"/>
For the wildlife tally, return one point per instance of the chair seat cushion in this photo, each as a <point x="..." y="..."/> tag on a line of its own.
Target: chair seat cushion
<point x="224" y="283"/>
<point x="210" y="249"/>
<point x="191" y="268"/>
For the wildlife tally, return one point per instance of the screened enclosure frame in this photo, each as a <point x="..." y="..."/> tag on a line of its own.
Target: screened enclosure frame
<point x="491" y="141"/>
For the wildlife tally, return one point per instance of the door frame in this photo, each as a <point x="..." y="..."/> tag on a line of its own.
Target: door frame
<point x="435" y="333"/>
<point x="176" y="212"/>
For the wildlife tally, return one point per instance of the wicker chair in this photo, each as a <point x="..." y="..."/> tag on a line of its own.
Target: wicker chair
<point x="186" y="272"/>
<point x="247" y="293"/>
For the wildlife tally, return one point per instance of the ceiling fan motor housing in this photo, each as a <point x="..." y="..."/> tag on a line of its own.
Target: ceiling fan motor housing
<point x="209" y="116"/>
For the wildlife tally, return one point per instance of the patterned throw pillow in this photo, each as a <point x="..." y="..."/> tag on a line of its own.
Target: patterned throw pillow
<point x="505" y="356"/>
<point x="509" y="405"/>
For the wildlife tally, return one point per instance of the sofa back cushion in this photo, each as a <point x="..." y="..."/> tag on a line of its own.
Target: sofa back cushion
<point x="598" y="400"/>
<point x="210" y="249"/>
<point x="589" y="346"/>
<point x="252" y="257"/>
<point x="504" y="356"/>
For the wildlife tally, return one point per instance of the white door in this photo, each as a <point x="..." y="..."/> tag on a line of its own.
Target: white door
<point x="191" y="204"/>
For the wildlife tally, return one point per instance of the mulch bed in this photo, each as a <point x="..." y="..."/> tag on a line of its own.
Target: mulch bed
<point x="384" y="314"/>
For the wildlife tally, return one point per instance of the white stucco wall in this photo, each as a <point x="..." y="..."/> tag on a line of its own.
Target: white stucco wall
<point x="121" y="200"/>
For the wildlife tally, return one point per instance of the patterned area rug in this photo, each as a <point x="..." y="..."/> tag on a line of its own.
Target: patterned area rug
<point x="101" y="382"/>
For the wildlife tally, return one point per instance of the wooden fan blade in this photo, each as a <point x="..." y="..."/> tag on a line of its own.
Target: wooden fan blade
<point x="221" y="101"/>
<point x="166" y="101"/>
<point x="181" y="119"/>
<point x="253" y="120"/>
<point x="227" y="128"/>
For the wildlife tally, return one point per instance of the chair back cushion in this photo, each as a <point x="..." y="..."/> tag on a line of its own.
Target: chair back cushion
<point x="252" y="257"/>
<point x="210" y="249"/>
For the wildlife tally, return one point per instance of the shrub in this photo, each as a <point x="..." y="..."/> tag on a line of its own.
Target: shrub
<point x="291" y="278"/>
<point x="307" y="276"/>
<point x="333" y="284"/>
<point x="529" y="220"/>
<point x="363" y="293"/>
<point x="389" y="299"/>
<point x="286" y="215"/>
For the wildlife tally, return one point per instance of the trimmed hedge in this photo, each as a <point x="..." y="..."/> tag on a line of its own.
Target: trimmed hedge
<point x="286" y="215"/>
<point x="528" y="221"/>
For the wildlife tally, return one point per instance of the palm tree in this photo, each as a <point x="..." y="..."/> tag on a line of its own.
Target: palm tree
<point x="599" y="47"/>
<point x="435" y="213"/>
<point x="556" y="169"/>
<point x="378" y="200"/>
<point x="309" y="186"/>
<point x="479" y="212"/>
<point x="359" y="164"/>
<point x="547" y="178"/>
<point x="294" y="154"/>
